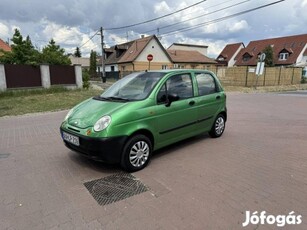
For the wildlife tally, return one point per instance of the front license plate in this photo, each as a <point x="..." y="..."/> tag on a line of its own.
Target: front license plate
<point x="71" y="139"/>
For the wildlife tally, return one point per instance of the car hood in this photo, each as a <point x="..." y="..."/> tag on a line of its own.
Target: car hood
<point x="87" y="113"/>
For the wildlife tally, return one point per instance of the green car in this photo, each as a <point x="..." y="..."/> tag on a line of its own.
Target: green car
<point x="143" y="112"/>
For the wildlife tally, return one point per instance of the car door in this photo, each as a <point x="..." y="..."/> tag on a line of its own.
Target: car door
<point x="176" y="121"/>
<point x="209" y="99"/>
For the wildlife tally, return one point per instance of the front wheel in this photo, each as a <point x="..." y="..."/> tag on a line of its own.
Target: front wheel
<point x="218" y="127"/>
<point x="136" y="154"/>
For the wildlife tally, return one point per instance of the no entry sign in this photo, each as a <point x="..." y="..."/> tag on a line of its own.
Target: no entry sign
<point x="149" y="57"/>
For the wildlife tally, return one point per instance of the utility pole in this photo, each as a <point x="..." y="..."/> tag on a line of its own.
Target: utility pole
<point x="102" y="57"/>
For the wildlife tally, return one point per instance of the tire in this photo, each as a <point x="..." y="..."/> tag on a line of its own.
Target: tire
<point x="218" y="126"/>
<point x="136" y="153"/>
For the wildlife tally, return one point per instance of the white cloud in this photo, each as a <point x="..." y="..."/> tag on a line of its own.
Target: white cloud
<point x="239" y="26"/>
<point x="162" y="8"/>
<point x="304" y="3"/>
<point x="62" y="34"/>
<point x="4" y="31"/>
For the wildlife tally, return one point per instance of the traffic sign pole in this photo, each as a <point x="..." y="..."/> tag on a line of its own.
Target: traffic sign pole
<point x="149" y="59"/>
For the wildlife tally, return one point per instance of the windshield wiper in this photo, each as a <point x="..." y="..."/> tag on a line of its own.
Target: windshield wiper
<point x="118" y="98"/>
<point x="100" y="98"/>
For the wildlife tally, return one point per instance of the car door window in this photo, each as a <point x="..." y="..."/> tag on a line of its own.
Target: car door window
<point x="206" y="84"/>
<point x="180" y="84"/>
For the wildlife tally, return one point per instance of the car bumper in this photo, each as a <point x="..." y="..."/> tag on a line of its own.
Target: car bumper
<point x="100" y="149"/>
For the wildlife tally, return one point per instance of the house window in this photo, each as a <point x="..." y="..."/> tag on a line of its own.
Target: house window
<point x="164" y="67"/>
<point x="177" y="66"/>
<point x="221" y="59"/>
<point x="246" y="57"/>
<point x="283" y="56"/>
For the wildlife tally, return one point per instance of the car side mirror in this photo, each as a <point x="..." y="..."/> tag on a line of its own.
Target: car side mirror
<point x="171" y="98"/>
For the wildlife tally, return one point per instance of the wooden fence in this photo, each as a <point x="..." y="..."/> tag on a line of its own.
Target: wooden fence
<point x="246" y="76"/>
<point x="27" y="76"/>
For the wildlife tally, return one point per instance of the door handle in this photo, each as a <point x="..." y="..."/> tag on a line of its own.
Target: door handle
<point x="191" y="102"/>
<point x="218" y="97"/>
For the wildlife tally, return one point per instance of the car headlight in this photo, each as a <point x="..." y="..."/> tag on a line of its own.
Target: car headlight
<point x="68" y="114"/>
<point x="102" y="123"/>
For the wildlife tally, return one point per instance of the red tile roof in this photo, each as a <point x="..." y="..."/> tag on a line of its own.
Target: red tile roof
<point x="129" y="51"/>
<point x="185" y="56"/>
<point x="294" y="45"/>
<point x="229" y="50"/>
<point x="4" y="46"/>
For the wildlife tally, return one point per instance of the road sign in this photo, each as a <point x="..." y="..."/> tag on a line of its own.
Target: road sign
<point x="262" y="57"/>
<point x="260" y="68"/>
<point x="149" y="57"/>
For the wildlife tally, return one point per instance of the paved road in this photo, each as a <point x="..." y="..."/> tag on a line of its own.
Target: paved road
<point x="259" y="164"/>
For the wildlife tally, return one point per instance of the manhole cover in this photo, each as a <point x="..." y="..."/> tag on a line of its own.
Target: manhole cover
<point x="114" y="188"/>
<point x="4" y="155"/>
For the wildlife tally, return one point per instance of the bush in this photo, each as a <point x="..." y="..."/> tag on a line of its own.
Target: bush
<point x="86" y="78"/>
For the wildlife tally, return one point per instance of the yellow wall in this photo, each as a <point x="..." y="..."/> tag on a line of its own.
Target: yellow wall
<point x="141" y="66"/>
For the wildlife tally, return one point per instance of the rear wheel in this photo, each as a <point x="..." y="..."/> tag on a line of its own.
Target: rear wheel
<point x="218" y="126"/>
<point x="137" y="153"/>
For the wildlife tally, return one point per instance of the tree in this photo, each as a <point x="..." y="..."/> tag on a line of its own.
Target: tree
<point x="54" y="55"/>
<point x="93" y="63"/>
<point x="23" y="52"/>
<point x="269" y="59"/>
<point x="77" y="52"/>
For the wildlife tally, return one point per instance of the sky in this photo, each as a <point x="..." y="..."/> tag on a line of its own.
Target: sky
<point x="74" y="23"/>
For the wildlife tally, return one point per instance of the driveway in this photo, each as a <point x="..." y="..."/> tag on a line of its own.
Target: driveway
<point x="259" y="164"/>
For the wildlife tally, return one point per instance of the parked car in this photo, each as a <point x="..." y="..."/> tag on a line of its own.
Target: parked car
<point x="143" y="112"/>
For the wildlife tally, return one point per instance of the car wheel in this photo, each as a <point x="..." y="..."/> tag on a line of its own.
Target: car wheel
<point x="136" y="154"/>
<point x="218" y="126"/>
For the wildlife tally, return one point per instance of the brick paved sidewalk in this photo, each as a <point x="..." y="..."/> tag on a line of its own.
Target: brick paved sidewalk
<point x="259" y="164"/>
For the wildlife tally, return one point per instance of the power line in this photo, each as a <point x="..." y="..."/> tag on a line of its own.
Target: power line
<point x="89" y="39"/>
<point x="154" y="19"/>
<point x="203" y="15"/>
<point x="219" y="19"/>
<point x="212" y="6"/>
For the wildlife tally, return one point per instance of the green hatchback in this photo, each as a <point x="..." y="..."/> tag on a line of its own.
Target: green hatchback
<point x="143" y="112"/>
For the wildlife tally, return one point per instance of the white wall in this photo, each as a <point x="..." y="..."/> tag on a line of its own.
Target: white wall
<point x="202" y="50"/>
<point x="232" y="60"/>
<point x="157" y="52"/>
<point x="301" y="59"/>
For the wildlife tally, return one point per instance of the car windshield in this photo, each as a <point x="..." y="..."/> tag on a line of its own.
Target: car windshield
<point x="135" y="86"/>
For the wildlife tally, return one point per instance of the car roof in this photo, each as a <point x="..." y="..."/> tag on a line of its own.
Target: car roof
<point x="179" y="70"/>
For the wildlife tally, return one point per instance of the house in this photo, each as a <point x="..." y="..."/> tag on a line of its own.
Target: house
<point x="4" y="46"/>
<point x="229" y="53"/>
<point x="288" y="51"/>
<point x="189" y="56"/>
<point x="189" y="47"/>
<point x="189" y="59"/>
<point x="84" y="62"/>
<point x="132" y="56"/>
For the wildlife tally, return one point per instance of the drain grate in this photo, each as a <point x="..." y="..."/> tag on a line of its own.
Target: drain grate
<point x="114" y="188"/>
<point x="4" y="155"/>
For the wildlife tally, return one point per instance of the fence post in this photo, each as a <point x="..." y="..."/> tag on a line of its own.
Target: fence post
<point x="292" y="76"/>
<point x="246" y="76"/>
<point x="3" y="85"/>
<point x="78" y="75"/>
<point x="45" y="75"/>
<point x="264" y="76"/>
<point x="279" y="75"/>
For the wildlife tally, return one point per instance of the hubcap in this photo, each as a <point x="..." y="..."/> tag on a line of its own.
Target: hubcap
<point x="139" y="153"/>
<point x="219" y="126"/>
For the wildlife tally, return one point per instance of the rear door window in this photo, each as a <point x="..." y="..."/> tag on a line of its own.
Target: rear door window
<point x="206" y="84"/>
